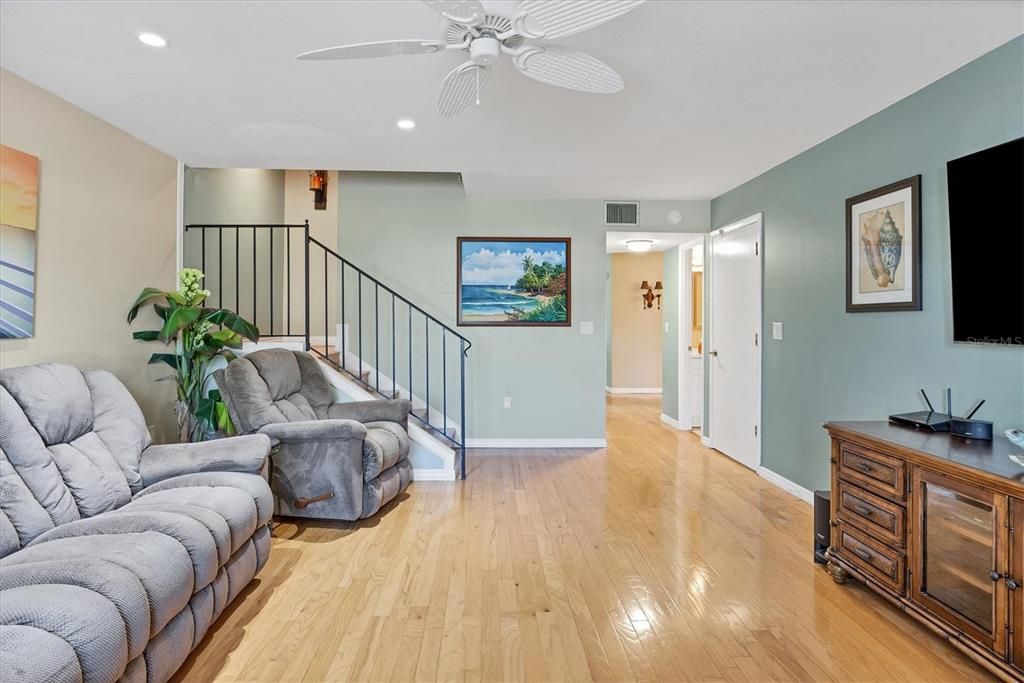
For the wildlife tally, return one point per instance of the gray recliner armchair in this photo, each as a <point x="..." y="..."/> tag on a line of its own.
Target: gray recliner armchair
<point x="332" y="460"/>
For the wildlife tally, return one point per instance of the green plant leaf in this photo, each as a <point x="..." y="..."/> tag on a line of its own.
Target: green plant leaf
<point x="161" y="311"/>
<point x="224" y="422"/>
<point x="178" y="319"/>
<point x="232" y="321"/>
<point x="146" y="335"/>
<point x="145" y="295"/>
<point x="166" y="358"/>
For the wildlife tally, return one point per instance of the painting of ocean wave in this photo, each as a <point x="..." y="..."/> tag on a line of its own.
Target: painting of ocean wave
<point x="513" y="281"/>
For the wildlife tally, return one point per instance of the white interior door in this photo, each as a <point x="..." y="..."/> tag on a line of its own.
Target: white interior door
<point x="734" y="353"/>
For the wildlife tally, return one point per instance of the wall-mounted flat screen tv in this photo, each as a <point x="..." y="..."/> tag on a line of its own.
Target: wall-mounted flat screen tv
<point x="986" y="235"/>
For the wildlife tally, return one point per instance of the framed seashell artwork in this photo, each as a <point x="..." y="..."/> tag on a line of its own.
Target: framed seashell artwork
<point x="883" y="248"/>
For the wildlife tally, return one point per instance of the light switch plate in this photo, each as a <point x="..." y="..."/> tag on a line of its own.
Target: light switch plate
<point x="508" y="402"/>
<point x="586" y="327"/>
<point x="666" y="326"/>
<point x="777" y="331"/>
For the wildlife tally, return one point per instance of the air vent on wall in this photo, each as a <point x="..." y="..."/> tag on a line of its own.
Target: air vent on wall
<point x="621" y="213"/>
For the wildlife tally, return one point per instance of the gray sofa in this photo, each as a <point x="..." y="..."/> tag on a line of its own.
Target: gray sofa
<point x="333" y="460"/>
<point x="117" y="555"/>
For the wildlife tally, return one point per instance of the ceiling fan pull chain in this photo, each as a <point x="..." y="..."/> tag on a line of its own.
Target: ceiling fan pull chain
<point x="478" y="86"/>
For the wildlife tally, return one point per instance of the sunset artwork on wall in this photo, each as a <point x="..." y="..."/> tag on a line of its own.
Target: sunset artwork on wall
<point x="19" y="203"/>
<point x="511" y="281"/>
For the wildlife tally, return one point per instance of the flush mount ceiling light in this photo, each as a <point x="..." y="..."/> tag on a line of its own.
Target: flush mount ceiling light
<point x="639" y="245"/>
<point x="152" y="39"/>
<point x="406" y="124"/>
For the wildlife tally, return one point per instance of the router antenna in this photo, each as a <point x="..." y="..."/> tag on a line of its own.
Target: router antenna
<point x="930" y="409"/>
<point x="975" y="409"/>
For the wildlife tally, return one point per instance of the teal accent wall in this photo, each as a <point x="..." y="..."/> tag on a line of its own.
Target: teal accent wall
<point x="670" y="347"/>
<point x="402" y="227"/>
<point x="834" y="365"/>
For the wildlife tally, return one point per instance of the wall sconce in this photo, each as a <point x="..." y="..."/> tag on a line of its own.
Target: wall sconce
<point x="318" y="186"/>
<point x="649" y="295"/>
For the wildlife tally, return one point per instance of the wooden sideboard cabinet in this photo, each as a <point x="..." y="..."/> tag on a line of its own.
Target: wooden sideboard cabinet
<point x="935" y="524"/>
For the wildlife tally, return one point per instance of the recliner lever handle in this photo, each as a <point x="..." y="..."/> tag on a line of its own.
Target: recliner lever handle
<point x="302" y="503"/>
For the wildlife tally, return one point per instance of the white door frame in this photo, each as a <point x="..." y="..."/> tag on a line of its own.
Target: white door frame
<point x="683" y="315"/>
<point x="709" y="439"/>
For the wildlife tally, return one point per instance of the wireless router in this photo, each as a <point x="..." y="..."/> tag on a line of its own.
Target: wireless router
<point x="927" y="420"/>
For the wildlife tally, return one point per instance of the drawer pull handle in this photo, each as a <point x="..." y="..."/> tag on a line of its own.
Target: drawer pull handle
<point x="863" y="554"/>
<point x="862" y="510"/>
<point x="864" y="467"/>
<point x="1011" y="583"/>
<point x="994" y="575"/>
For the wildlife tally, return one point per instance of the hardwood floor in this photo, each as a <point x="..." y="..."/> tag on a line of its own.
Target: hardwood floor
<point x="653" y="559"/>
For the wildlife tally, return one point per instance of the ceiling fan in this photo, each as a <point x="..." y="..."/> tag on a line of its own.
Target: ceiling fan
<point x="486" y="35"/>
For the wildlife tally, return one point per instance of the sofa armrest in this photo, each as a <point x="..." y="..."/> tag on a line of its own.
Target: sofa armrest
<point x="314" y="430"/>
<point x="392" y="410"/>
<point x="235" y="454"/>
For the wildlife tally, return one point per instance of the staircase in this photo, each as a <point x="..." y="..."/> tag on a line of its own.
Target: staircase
<point x="297" y="290"/>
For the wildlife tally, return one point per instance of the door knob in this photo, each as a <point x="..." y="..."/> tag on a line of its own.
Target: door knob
<point x="713" y="353"/>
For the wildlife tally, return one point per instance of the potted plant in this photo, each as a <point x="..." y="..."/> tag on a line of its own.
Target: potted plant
<point x="198" y="335"/>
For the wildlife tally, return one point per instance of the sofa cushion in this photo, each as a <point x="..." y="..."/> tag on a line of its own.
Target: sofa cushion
<point x="92" y="474"/>
<point x="205" y="549"/>
<point x="84" y="619"/>
<point x="385" y="444"/>
<point x="32" y="654"/>
<point x="35" y="497"/>
<point x="55" y="399"/>
<point x="236" y="507"/>
<point x="154" y="562"/>
<point x="254" y="486"/>
<point x="119" y="423"/>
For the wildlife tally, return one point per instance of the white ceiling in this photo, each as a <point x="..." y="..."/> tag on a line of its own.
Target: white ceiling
<point x="615" y="242"/>
<point x="716" y="92"/>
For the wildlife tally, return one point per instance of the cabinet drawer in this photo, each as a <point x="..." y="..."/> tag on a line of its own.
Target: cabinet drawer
<point x="885" y="565"/>
<point x="880" y="473"/>
<point x="863" y="509"/>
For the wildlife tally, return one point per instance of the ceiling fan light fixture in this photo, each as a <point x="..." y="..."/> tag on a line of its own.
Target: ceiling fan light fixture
<point x="639" y="245"/>
<point x="406" y="124"/>
<point x="152" y="40"/>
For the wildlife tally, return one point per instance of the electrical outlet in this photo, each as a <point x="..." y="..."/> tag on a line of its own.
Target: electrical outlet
<point x="587" y="327"/>
<point x="508" y="401"/>
<point x="666" y="326"/>
<point x="777" y="331"/>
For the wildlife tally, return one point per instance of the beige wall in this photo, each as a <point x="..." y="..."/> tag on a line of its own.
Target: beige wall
<point x="218" y="196"/>
<point x="635" y="332"/>
<point x="107" y="213"/>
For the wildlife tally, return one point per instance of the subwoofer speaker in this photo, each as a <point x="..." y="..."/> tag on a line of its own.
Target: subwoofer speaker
<point x="822" y="528"/>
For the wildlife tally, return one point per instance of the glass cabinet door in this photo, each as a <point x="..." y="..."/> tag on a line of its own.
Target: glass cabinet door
<point x="961" y="556"/>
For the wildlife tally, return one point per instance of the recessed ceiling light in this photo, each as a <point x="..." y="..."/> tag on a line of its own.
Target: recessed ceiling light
<point x="639" y="245"/>
<point x="406" y="124"/>
<point x="152" y="39"/>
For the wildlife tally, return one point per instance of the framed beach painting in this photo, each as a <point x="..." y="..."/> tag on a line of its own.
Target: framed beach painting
<point x="514" y="281"/>
<point x="19" y="210"/>
<point x="883" y="248"/>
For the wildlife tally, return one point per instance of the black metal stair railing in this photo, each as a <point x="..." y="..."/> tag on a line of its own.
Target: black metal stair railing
<point x="267" y="271"/>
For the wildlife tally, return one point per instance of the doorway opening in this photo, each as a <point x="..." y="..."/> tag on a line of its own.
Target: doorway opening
<point x="646" y="336"/>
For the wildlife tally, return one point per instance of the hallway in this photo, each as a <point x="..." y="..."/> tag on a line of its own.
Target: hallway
<point x="653" y="559"/>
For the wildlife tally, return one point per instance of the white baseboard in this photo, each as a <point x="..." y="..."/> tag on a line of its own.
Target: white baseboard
<point x="536" y="443"/>
<point x="706" y="441"/>
<point x="671" y="421"/>
<point x="433" y="475"/>
<point x="786" y="485"/>
<point x="632" y="390"/>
